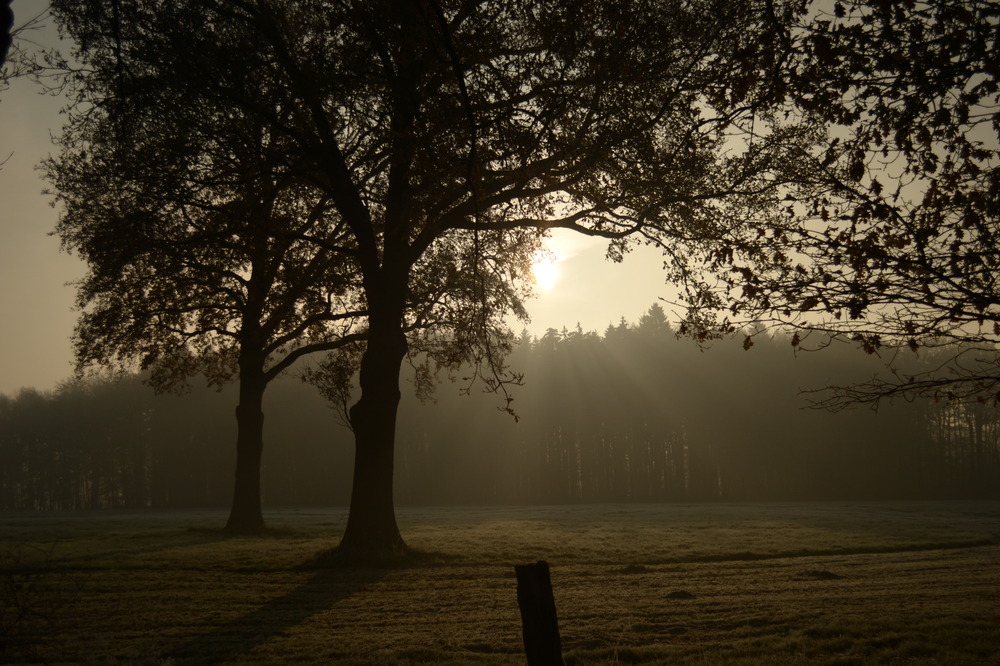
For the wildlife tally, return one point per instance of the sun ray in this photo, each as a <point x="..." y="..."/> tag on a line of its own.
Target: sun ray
<point x="545" y="271"/>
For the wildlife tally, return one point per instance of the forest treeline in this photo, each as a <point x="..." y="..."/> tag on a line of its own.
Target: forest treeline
<point x="634" y="414"/>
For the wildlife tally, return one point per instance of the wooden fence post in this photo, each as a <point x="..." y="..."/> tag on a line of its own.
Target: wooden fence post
<point x="538" y="615"/>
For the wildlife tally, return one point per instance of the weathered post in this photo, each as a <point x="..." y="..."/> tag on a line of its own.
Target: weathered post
<point x="538" y="615"/>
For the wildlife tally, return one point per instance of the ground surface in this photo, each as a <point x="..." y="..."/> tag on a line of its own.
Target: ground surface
<point x="682" y="584"/>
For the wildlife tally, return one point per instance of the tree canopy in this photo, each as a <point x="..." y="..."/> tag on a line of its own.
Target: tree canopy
<point x="890" y="237"/>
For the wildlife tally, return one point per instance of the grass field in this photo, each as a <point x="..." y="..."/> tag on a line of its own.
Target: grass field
<point x="826" y="583"/>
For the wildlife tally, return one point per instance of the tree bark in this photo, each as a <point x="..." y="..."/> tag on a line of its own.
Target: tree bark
<point x="246" y="514"/>
<point x="372" y="533"/>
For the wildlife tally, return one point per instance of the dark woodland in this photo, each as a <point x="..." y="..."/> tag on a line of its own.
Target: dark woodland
<point x="631" y="415"/>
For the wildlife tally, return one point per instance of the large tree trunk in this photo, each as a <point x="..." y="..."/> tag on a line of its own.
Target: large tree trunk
<point x="246" y="515"/>
<point x="371" y="532"/>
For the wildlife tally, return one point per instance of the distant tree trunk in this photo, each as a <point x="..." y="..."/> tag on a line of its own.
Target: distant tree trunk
<point x="6" y="27"/>
<point x="371" y="531"/>
<point x="245" y="514"/>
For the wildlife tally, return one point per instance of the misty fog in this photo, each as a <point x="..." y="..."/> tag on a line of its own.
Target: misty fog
<point x="632" y="414"/>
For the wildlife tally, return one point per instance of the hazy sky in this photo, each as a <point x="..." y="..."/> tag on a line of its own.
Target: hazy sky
<point x="36" y="301"/>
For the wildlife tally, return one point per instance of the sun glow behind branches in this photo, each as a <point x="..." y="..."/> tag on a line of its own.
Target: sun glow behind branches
<point x="544" y="269"/>
<point x="586" y="288"/>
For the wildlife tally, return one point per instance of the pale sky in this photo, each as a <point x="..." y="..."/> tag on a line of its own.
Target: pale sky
<point x="36" y="299"/>
<point x="36" y="305"/>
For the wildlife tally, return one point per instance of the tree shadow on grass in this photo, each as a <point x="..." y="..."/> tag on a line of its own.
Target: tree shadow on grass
<point x="138" y="545"/>
<point x="324" y="589"/>
<point x="333" y="580"/>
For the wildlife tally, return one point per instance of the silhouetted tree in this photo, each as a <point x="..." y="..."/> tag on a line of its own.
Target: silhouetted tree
<point x="891" y="240"/>
<point x="211" y="244"/>
<point x="207" y="250"/>
<point x="441" y="139"/>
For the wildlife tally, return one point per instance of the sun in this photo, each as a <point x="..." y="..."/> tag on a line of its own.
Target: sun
<point x="544" y="270"/>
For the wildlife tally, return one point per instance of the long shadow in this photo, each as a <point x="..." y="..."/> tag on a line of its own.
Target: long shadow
<point x="156" y="544"/>
<point x="326" y="587"/>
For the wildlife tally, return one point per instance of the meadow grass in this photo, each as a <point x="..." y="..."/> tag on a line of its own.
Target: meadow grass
<point x="827" y="583"/>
